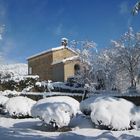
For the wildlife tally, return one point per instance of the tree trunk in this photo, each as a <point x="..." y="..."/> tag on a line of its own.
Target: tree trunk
<point x="85" y="94"/>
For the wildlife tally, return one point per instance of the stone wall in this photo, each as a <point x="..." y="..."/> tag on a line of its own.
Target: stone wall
<point x="62" y="54"/>
<point x="69" y="69"/>
<point x="58" y="72"/>
<point x="41" y="66"/>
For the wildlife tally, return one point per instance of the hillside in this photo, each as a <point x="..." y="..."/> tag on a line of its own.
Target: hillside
<point x="9" y="70"/>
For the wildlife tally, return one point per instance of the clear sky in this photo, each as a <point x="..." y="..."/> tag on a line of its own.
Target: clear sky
<point x="32" y="26"/>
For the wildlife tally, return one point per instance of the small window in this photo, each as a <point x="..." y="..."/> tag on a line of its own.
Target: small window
<point x="30" y="70"/>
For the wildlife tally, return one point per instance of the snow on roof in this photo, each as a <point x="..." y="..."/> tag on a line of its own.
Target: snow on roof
<point x="51" y="50"/>
<point x="64" y="39"/>
<point x="66" y="59"/>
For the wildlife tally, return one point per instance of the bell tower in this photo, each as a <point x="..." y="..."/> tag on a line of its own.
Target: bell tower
<point x="64" y="42"/>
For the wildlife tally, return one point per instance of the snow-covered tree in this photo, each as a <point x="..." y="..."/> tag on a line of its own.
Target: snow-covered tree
<point x="136" y="8"/>
<point x="127" y="55"/>
<point x="2" y="29"/>
<point x="105" y="70"/>
<point x="118" y="67"/>
<point x="87" y="52"/>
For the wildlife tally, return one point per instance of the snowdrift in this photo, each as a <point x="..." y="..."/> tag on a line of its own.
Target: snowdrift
<point x="85" y="105"/>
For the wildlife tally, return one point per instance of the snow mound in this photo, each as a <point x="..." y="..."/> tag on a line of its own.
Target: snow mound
<point x="19" y="106"/>
<point x="3" y="100"/>
<point x="85" y="105"/>
<point x="114" y="113"/>
<point x="56" y="111"/>
<point x="81" y="121"/>
<point x="136" y="117"/>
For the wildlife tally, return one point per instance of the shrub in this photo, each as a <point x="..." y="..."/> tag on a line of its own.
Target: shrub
<point x="19" y="107"/>
<point x="112" y="113"/>
<point x="56" y="111"/>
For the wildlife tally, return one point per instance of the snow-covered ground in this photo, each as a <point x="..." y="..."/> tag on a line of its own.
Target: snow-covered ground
<point x="82" y="127"/>
<point x="31" y="129"/>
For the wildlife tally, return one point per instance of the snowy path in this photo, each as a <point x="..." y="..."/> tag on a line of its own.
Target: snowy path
<point x="30" y="129"/>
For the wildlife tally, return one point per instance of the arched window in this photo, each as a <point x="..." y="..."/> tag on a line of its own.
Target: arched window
<point x="76" y="68"/>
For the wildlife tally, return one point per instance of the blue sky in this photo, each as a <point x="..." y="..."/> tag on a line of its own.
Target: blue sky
<point x="32" y="26"/>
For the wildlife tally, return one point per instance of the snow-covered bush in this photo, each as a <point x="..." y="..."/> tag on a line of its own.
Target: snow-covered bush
<point x="58" y="87"/>
<point x="81" y="121"/>
<point x="44" y="86"/>
<point x="18" y="83"/>
<point x="19" y="107"/>
<point x="3" y="100"/>
<point x="85" y="105"/>
<point x="113" y="113"/>
<point x="10" y="70"/>
<point x="10" y="93"/>
<point x="136" y="117"/>
<point x="56" y="111"/>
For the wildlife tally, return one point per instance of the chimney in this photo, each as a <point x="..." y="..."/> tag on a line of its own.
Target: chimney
<point x="64" y="42"/>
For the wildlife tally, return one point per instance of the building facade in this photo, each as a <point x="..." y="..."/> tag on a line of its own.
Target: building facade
<point x="56" y="64"/>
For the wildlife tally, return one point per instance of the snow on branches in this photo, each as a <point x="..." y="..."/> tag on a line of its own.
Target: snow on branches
<point x="86" y="51"/>
<point x="136" y="8"/>
<point x="127" y="58"/>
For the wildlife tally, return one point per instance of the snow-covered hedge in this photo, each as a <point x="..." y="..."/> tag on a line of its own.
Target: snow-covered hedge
<point x="19" y="106"/>
<point x="56" y="111"/>
<point x="136" y="116"/>
<point x="115" y="113"/>
<point x="10" y="93"/>
<point x="18" y="83"/>
<point x="85" y="105"/>
<point x="112" y="113"/>
<point x="3" y="100"/>
<point x="57" y="87"/>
